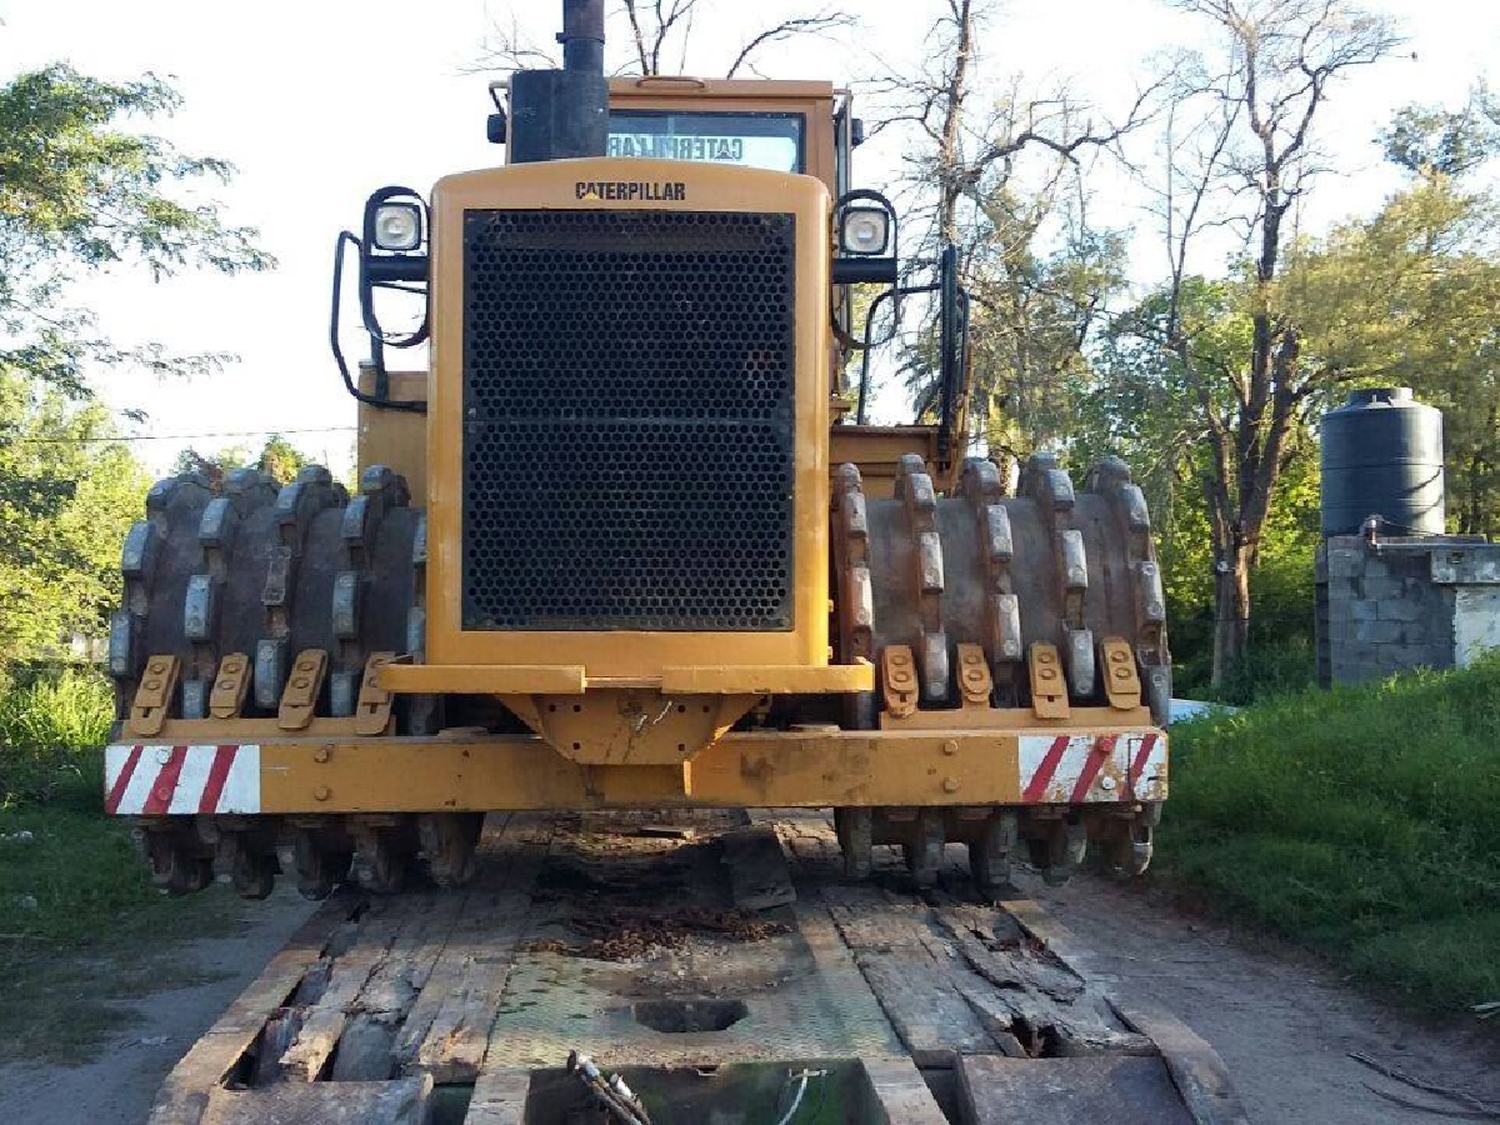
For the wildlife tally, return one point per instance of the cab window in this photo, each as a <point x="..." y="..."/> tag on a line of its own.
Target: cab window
<point x="773" y="141"/>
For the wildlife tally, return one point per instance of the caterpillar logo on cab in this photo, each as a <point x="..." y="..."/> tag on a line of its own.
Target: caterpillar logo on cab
<point x="632" y="190"/>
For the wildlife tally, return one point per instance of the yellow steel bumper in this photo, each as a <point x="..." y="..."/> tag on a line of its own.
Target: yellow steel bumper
<point x="479" y="772"/>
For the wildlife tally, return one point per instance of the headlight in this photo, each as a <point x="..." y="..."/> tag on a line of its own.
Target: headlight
<point x="398" y="226"/>
<point x="866" y="230"/>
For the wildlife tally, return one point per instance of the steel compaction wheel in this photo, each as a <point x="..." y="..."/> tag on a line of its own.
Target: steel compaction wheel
<point x="980" y="568"/>
<point x="250" y="578"/>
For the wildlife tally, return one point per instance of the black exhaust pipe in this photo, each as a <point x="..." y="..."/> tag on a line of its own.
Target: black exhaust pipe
<point x="582" y="35"/>
<point x="564" y="114"/>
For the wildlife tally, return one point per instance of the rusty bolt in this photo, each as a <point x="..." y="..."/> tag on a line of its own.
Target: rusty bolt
<point x="158" y="666"/>
<point x="1119" y="656"/>
<point x="152" y="685"/>
<point x="950" y="785"/>
<point x="322" y="793"/>
<point x="163" y="793"/>
<point x="1046" y="674"/>
<point x="898" y="658"/>
<point x="1122" y="673"/>
<point x="322" y="754"/>
<point x="301" y="682"/>
<point x="304" y="665"/>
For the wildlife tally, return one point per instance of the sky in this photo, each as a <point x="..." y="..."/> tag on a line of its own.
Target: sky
<point x="318" y="103"/>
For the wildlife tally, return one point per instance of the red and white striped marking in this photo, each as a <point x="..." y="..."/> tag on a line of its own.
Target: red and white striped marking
<point x="1073" y="769"/>
<point x="163" y="780"/>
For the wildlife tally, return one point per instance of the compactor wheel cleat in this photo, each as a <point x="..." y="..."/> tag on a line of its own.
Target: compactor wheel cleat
<point x="448" y="842"/>
<point x="251" y="871"/>
<point x="990" y="855"/>
<point x="181" y="863"/>
<point x="924" y="847"/>
<point x="1058" y="851"/>
<point x="855" y="829"/>
<point x="384" y="854"/>
<point x="1129" y="845"/>
<point x="321" y="863"/>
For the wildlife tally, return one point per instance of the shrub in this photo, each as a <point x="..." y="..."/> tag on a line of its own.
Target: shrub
<point x="52" y="722"/>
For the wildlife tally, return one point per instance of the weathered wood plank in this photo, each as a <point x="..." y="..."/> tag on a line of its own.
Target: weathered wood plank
<point x="470" y="984"/>
<point x="1196" y="1069"/>
<point x="448" y="1027"/>
<point x="499" y="1098"/>
<point x="902" y="1093"/>
<point x="366" y="1049"/>
<point x="932" y="1018"/>
<point x="400" y="1102"/>
<point x="1122" y="1090"/>
<point x="908" y="964"/>
<point x="758" y="875"/>
<point x="1043" y="991"/>
<point x="184" y="1094"/>
<point x="322" y="1025"/>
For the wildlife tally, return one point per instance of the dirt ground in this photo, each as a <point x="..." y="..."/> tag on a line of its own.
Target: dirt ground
<point x="119" y="1087"/>
<point x="1284" y="1027"/>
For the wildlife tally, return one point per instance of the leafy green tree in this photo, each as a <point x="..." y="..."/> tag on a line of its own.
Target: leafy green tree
<point x="281" y="459"/>
<point x="81" y="190"/>
<point x="278" y="458"/>
<point x="1039" y="278"/>
<point x="1425" y="139"/>
<point x="67" y="497"/>
<point x="1408" y="297"/>
<point x="1142" y="404"/>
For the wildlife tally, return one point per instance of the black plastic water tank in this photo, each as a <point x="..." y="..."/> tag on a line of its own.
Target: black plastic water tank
<point x="1383" y="456"/>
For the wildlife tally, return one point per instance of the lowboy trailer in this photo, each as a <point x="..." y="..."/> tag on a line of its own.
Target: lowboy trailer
<point x="719" y="963"/>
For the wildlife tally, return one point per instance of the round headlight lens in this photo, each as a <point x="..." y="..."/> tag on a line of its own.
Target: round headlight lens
<point x="866" y="231"/>
<point x="398" y="226"/>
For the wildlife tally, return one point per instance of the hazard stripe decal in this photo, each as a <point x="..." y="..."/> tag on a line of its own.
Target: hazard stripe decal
<point x="181" y="780"/>
<point x="1102" y="749"/>
<point x="218" y="773"/>
<point x="1087" y="768"/>
<point x="164" y="788"/>
<point x="116" y="783"/>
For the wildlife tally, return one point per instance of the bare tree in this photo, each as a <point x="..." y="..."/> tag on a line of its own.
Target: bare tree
<point x="657" y="31"/>
<point x="1241" y="155"/>
<point x="991" y="169"/>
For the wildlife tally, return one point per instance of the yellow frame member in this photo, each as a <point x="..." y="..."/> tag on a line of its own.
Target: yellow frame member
<point x="467" y="772"/>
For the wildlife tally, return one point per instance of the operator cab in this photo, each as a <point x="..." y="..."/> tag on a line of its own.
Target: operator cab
<point x="778" y="126"/>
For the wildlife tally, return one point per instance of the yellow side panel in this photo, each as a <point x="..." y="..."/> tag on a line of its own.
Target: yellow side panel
<point x="396" y="438"/>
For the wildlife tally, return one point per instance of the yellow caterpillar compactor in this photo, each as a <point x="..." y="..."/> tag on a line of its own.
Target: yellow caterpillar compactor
<point x="627" y="543"/>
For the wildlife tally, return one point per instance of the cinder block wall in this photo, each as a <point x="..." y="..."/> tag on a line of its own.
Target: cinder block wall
<point x="1396" y="604"/>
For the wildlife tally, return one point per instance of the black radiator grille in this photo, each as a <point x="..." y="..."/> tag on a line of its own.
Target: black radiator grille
<point x="628" y="420"/>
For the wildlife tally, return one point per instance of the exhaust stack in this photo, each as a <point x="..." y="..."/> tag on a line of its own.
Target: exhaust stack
<point x="564" y="114"/>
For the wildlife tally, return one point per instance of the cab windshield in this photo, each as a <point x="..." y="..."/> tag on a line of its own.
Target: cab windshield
<point x="753" y="140"/>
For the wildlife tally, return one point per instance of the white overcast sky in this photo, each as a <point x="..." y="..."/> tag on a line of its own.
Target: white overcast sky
<point x="319" y="102"/>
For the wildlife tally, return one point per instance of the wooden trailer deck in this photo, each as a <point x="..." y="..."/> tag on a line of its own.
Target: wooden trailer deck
<point x="714" y="961"/>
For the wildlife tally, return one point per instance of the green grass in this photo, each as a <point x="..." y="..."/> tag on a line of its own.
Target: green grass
<point x="1363" y="823"/>
<point x="51" y="722"/>
<point x="82" y="930"/>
